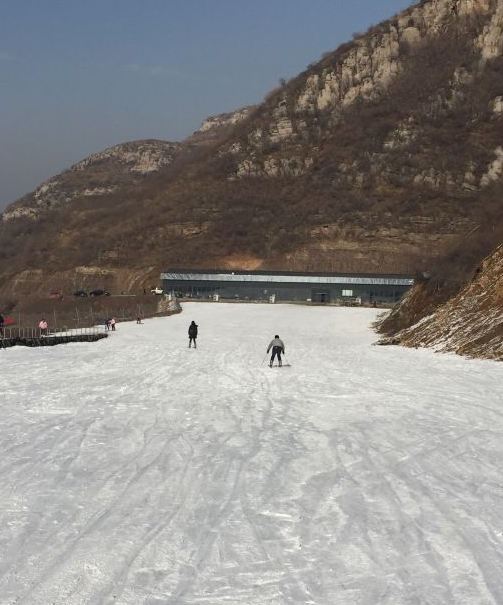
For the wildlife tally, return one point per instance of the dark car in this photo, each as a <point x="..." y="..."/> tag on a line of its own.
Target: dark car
<point x="99" y="293"/>
<point x="80" y="293"/>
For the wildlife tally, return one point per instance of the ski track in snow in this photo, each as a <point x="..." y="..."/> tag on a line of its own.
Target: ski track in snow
<point x="136" y="471"/>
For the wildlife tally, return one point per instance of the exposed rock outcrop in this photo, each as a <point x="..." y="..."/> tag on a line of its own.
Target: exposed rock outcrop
<point x="114" y="168"/>
<point x="225" y="119"/>
<point x="364" y="71"/>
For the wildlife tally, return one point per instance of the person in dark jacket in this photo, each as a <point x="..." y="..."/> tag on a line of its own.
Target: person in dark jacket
<point x="193" y="334"/>
<point x="2" y="321"/>
<point x="277" y="347"/>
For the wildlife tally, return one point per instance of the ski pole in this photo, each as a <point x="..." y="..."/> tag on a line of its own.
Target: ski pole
<point x="263" y="360"/>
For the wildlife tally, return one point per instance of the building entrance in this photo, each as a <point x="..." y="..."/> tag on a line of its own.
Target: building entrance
<point x="320" y="296"/>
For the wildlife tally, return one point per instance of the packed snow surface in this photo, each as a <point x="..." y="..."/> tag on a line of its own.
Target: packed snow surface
<point x="138" y="471"/>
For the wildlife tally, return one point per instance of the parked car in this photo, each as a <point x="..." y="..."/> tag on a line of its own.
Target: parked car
<point x="157" y="291"/>
<point x="99" y="293"/>
<point x="80" y="293"/>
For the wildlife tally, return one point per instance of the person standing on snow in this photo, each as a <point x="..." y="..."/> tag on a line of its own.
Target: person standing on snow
<point x="193" y="334"/>
<point x="43" y="327"/>
<point x="2" y="321"/>
<point x="277" y="347"/>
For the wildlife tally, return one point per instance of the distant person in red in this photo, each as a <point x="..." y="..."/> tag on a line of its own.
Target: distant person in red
<point x="43" y="327"/>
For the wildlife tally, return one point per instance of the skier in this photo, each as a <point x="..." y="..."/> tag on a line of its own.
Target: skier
<point x="277" y="348"/>
<point x="193" y="334"/>
<point x="112" y="324"/>
<point x="2" y="321"/>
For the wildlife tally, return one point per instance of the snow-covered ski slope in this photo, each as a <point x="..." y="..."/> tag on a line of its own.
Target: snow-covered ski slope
<point x="137" y="471"/>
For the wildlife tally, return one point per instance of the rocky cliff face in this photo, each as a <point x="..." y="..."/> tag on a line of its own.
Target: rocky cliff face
<point x="98" y="175"/>
<point x="309" y="107"/>
<point x="379" y="157"/>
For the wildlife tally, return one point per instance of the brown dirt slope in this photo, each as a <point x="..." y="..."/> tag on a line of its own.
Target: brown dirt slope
<point x="470" y="323"/>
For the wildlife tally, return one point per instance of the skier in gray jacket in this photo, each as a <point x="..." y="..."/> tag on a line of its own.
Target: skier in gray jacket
<point x="277" y="347"/>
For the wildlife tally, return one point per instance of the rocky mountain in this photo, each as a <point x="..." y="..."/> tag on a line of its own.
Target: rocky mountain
<point x="383" y="156"/>
<point x="119" y="167"/>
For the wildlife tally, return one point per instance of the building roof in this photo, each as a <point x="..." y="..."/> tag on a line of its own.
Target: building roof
<point x="285" y="277"/>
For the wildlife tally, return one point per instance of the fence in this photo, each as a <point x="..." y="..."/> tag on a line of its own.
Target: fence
<point x="30" y="332"/>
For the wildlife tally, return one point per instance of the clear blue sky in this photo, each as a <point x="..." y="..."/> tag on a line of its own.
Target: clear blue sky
<point x="77" y="76"/>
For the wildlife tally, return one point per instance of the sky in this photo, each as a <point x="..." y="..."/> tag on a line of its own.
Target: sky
<point x="77" y="76"/>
